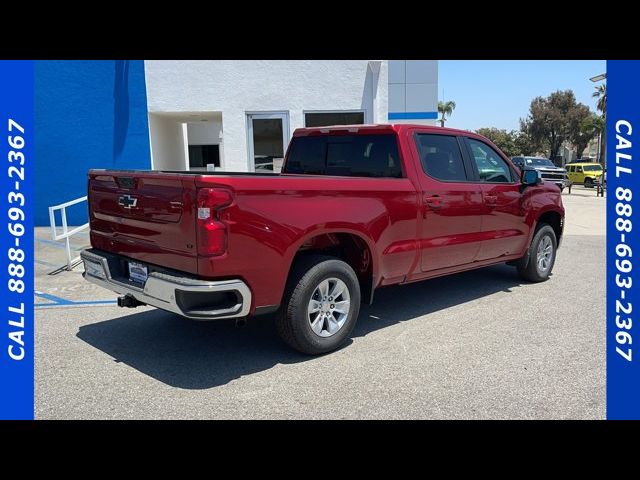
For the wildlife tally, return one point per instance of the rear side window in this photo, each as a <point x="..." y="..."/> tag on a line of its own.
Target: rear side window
<point x="441" y="158"/>
<point x="306" y="155"/>
<point x="345" y="155"/>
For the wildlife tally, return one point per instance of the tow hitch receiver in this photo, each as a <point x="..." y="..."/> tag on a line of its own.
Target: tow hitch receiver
<point x="129" y="301"/>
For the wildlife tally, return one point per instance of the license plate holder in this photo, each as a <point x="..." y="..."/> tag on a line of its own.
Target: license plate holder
<point x="138" y="272"/>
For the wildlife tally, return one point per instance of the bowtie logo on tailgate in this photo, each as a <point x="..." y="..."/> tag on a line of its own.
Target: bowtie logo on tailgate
<point x="127" y="201"/>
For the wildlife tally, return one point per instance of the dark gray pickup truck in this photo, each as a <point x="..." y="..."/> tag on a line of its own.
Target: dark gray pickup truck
<point x="548" y="171"/>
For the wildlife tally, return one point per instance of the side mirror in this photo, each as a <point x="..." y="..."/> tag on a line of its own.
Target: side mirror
<point x="530" y="177"/>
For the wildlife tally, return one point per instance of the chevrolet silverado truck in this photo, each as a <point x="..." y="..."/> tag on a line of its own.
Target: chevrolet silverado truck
<point x="355" y="208"/>
<point x="548" y="171"/>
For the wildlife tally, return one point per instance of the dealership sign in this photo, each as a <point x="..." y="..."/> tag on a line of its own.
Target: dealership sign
<point x="16" y="240"/>
<point x="623" y="177"/>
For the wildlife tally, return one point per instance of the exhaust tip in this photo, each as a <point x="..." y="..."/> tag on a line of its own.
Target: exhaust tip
<point x="241" y="322"/>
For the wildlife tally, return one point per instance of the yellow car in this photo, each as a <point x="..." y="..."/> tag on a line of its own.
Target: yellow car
<point x="586" y="173"/>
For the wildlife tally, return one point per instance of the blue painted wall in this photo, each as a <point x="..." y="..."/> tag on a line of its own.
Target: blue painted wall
<point x="88" y="114"/>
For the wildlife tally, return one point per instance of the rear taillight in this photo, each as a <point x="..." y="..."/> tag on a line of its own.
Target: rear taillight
<point x="212" y="232"/>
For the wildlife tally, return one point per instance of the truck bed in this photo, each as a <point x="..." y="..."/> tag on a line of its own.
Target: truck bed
<point x="267" y="222"/>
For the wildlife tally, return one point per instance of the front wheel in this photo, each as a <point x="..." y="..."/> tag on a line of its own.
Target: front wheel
<point x="321" y="305"/>
<point x="541" y="257"/>
<point x="588" y="183"/>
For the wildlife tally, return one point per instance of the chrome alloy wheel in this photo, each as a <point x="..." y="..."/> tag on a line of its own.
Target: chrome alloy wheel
<point x="544" y="254"/>
<point x="329" y="307"/>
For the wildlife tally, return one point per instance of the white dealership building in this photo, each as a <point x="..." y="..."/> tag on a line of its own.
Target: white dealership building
<point x="240" y="115"/>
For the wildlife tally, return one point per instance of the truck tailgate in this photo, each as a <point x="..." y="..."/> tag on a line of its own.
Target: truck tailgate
<point x="147" y="216"/>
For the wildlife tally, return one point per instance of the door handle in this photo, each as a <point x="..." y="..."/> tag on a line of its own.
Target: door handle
<point x="491" y="200"/>
<point x="434" y="202"/>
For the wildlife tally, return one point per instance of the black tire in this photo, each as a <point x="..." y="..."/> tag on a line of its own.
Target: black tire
<point x="528" y="266"/>
<point x="292" y="320"/>
<point x="588" y="183"/>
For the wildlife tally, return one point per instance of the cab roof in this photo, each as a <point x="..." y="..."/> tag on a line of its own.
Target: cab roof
<point x="378" y="128"/>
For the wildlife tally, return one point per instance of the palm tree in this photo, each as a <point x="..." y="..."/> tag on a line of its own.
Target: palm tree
<point x="446" y="108"/>
<point x="597" y="124"/>
<point x="601" y="95"/>
<point x="591" y="127"/>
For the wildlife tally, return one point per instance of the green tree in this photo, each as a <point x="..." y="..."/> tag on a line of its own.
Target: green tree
<point x="597" y="123"/>
<point x="554" y="119"/>
<point x="524" y="143"/>
<point x="446" y="109"/>
<point x="581" y="130"/>
<point x="503" y="139"/>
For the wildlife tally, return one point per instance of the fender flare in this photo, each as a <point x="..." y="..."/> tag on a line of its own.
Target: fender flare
<point x="536" y="219"/>
<point x="295" y="247"/>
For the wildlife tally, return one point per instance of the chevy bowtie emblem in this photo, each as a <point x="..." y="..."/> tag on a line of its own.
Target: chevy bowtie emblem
<point x="127" y="201"/>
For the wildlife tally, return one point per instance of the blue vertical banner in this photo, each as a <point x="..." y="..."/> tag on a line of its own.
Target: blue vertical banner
<point x="623" y="247"/>
<point x="16" y="240"/>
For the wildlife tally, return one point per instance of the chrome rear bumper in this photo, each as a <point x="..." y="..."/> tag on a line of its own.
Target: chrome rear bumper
<point x="186" y="296"/>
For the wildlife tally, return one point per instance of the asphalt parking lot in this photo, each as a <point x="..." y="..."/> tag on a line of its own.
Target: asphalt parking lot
<point x="476" y="345"/>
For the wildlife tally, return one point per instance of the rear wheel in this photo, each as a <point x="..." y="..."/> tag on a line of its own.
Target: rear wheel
<point x="321" y="305"/>
<point x="537" y="265"/>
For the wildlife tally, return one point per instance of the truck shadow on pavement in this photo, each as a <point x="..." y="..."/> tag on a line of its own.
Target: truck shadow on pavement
<point x="200" y="355"/>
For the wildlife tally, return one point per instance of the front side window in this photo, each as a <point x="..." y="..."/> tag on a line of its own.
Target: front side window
<point x="441" y="158"/>
<point x="491" y="167"/>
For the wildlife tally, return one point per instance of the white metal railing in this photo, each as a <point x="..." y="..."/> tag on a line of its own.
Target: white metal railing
<point x="66" y="233"/>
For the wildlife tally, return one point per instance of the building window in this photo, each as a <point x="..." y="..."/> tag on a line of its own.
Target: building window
<point x="325" y="119"/>
<point x="202" y="155"/>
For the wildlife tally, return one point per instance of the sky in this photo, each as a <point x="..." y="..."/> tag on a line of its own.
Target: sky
<point x="497" y="93"/>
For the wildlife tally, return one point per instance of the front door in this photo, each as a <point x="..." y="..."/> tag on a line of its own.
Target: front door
<point x="575" y="173"/>
<point x="267" y="138"/>
<point x="451" y="205"/>
<point x="504" y="230"/>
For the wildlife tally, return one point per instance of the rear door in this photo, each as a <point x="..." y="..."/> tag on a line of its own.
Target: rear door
<point x="148" y="216"/>
<point x="451" y="203"/>
<point x="504" y="230"/>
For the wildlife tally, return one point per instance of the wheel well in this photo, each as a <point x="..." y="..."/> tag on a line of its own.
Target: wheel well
<point x="349" y="248"/>
<point x="555" y="221"/>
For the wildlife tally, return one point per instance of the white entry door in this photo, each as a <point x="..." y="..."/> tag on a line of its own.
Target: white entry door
<point x="267" y="137"/>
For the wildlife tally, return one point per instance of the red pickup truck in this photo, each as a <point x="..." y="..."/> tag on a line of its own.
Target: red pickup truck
<point x="355" y="208"/>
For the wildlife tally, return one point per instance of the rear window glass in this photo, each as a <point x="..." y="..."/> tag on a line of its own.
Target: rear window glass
<point x="345" y="155"/>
